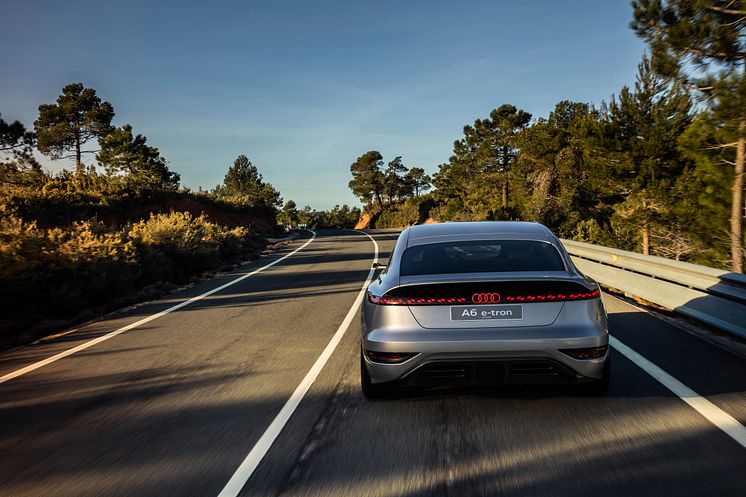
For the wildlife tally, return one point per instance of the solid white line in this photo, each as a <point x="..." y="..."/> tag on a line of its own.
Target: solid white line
<point x="714" y="414"/>
<point x="91" y="343"/>
<point x="257" y="453"/>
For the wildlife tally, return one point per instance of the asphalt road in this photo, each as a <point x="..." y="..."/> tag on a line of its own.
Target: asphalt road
<point x="173" y="406"/>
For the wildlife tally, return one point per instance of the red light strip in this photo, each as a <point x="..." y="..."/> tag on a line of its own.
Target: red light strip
<point x="558" y="297"/>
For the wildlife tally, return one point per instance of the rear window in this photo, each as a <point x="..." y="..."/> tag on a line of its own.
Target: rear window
<point x="480" y="257"/>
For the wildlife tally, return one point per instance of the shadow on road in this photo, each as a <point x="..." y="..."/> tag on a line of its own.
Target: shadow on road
<point x="331" y="250"/>
<point x="702" y="366"/>
<point x="530" y="442"/>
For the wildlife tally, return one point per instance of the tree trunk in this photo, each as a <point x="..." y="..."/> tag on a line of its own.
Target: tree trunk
<point x="645" y="231"/>
<point x="505" y="190"/>
<point x="78" y="161"/>
<point x="736" y="211"/>
<point x="380" y="201"/>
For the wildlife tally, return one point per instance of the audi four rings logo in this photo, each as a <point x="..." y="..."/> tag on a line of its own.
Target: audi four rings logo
<point x="485" y="298"/>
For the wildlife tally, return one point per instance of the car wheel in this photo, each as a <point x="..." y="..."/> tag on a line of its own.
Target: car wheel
<point x="372" y="390"/>
<point x="599" y="387"/>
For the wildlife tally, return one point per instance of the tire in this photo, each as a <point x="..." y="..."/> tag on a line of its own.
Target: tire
<point x="599" y="387"/>
<point x="372" y="390"/>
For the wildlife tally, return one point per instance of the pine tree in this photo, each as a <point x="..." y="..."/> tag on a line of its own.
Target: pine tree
<point x="417" y="180"/>
<point x="703" y="45"/>
<point x="244" y="184"/>
<point x="288" y="216"/>
<point x="645" y="125"/>
<point x="306" y="216"/>
<point x="393" y="181"/>
<point x="367" y="178"/>
<point x="242" y="178"/>
<point x="15" y="141"/>
<point x="142" y="165"/>
<point x="498" y="151"/>
<point x="553" y="173"/>
<point x="481" y="162"/>
<point x="78" y="116"/>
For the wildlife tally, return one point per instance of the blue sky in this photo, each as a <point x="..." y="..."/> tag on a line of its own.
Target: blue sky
<point x="305" y="87"/>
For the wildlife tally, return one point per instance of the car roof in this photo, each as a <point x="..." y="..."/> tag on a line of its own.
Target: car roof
<point x="482" y="230"/>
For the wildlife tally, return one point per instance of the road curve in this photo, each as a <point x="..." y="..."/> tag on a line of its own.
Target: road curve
<point x="173" y="406"/>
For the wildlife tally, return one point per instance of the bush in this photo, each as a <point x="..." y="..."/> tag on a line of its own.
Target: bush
<point x="405" y="213"/>
<point x="63" y="198"/>
<point x="52" y="275"/>
<point x="338" y="217"/>
<point x="177" y="245"/>
<point x="74" y="245"/>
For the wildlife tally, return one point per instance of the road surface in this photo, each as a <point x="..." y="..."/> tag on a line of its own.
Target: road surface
<point x="174" y="405"/>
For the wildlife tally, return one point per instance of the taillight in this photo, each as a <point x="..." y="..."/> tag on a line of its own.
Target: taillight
<point x="388" y="357"/>
<point x="385" y="300"/>
<point x="554" y="297"/>
<point x="485" y="293"/>
<point x="587" y="352"/>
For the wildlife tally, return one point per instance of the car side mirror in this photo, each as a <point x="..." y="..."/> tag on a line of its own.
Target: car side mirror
<point x="377" y="265"/>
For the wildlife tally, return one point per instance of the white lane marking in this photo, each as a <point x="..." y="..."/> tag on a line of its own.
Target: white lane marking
<point x="91" y="343"/>
<point x="710" y="411"/>
<point x="257" y="453"/>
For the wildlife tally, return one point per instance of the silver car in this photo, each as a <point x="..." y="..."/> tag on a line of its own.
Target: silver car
<point x="482" y="303"/>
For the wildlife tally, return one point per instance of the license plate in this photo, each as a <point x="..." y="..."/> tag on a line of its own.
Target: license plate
<point x="486" y="312"/>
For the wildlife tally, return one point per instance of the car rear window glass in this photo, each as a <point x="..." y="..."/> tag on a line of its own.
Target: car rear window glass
<point x="480" y="257"/>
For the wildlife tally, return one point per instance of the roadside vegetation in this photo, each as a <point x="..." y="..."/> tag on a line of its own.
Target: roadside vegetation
<point x="657" y="169"/>
<point x="338" y="217"/>
<point x="113" y="231"/>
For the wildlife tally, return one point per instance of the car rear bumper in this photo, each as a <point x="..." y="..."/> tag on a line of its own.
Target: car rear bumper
<point x="500" y="355"/>
<point x="520" y="371"/>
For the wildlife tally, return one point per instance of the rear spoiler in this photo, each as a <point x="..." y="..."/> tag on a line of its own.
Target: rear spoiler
<point x="487" y="292"/>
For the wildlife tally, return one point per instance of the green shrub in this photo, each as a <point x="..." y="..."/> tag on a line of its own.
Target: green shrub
<point x="73" y="245"/>
<point x="177" y="245"/>
<point x="51" y="275"/>
<point x="414" y="210"/>
<point x="338" y="217"/>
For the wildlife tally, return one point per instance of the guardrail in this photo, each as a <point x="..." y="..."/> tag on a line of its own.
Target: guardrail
<point x="713" y="296"/>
